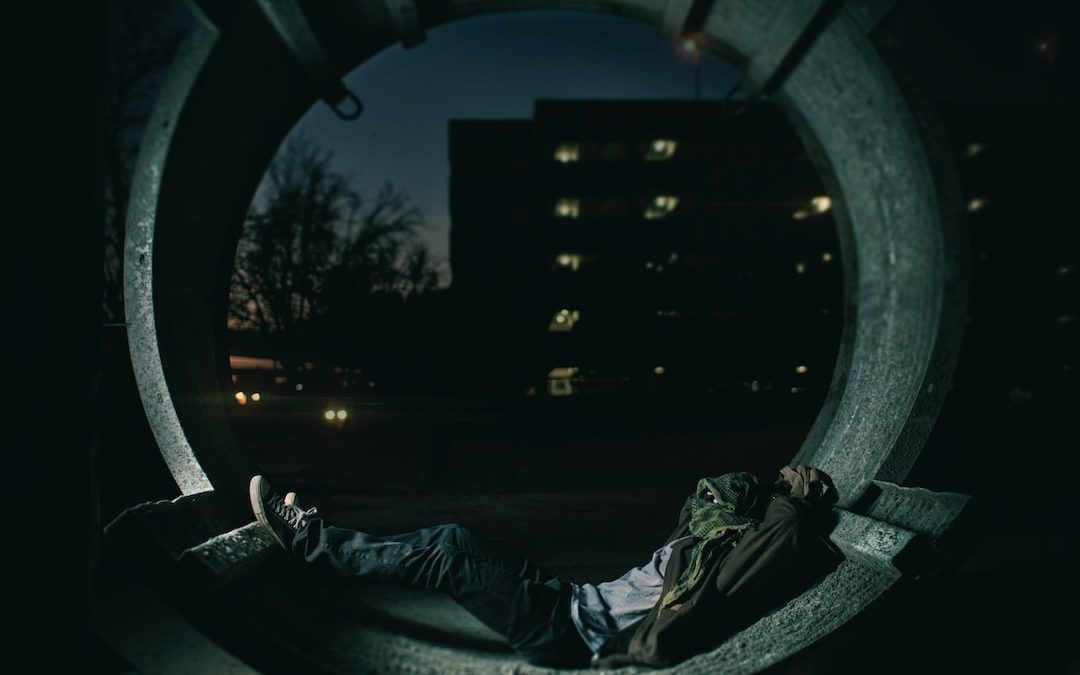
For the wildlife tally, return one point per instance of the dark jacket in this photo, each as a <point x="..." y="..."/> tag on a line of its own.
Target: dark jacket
<point x="770" y="564"/>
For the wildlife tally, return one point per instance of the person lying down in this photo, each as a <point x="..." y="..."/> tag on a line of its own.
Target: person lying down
<point x="743" y="547"/>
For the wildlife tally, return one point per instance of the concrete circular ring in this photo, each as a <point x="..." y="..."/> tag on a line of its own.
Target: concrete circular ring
<point x="235" y="91"/>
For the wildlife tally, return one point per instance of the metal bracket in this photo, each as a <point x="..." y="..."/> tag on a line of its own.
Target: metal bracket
<point x="406" y="18"/>
<point x="684" y="17"/>
<point x="795" y="30"/>
<point x="292" y="26"/>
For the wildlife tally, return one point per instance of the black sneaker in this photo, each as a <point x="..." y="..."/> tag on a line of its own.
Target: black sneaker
<point x="280" y="516"/>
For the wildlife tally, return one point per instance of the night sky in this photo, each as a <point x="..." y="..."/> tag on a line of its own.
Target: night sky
<point x="493" y="67"/>
<point x="496" y="66"/>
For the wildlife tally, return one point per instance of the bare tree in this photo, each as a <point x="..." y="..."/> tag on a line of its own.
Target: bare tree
<point x="314" y="251"/>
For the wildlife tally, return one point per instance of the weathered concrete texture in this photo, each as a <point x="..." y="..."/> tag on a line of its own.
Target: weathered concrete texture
<point x="227" y="555"/>
<point x="915" y="508"/>
<point x="139" y="266"/>
<point x="860" y="117"/>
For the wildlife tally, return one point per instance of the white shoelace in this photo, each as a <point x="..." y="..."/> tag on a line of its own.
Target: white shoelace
<point x="293" y="515"/>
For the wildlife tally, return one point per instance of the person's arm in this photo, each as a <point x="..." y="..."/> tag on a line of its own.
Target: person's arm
<point x="789" y="549"/>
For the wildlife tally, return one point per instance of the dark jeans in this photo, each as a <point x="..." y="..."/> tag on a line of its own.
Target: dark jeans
<point x="509" y="594"/>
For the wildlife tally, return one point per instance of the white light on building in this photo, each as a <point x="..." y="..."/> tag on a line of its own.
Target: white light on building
<point x="801" y="214"/>
<point x="341" y="414"/>
<point x="564" y="320"/>
<point x="661" y="206"/>
<point x="659" y="370"/>
<point x="826" y="256"/>
<point x="562" y="372"/>
<point x="299" y="387"/>
<point x="329" y="415"/>
<point x="569" y="261"/>
<point x="800" y="369"/>
<point x="256" y="397"/>
<point x="800" y="268"/>
<point x="821" y="204"/>
<point x="976" y="204"/>
<point x="974" y="149"/>
<point x="568" y="207"/>
<point x="240" y="397"/>
<point x="567" y="152"/>
<point x="660" y="149"/>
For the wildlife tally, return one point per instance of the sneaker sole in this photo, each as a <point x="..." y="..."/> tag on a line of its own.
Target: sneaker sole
<point x="255" y="492"/>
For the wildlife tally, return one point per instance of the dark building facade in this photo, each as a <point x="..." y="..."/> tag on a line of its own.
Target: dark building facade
<point x="636" y="246"/>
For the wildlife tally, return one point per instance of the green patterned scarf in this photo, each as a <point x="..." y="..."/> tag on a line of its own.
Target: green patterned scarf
<point x="716" y="524"/>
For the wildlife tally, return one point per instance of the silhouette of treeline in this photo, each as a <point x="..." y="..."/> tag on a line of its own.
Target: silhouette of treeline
<point x="324" y="271"/>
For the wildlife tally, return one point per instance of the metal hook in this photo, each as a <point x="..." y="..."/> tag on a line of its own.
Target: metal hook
<point x="357" y="105"/>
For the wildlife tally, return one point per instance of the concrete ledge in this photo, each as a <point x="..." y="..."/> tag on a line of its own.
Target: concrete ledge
<point x="224" y="582"/>
<point x="914" y="508"/>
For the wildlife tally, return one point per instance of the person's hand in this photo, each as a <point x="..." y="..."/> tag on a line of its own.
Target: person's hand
<point x="809" y="484"/>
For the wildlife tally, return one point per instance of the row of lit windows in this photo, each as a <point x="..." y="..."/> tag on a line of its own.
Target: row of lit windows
<point x="572" y="262"/>
<point x="657" y="150"/>
<point x="662" y="206"/>
<point x="561" y="380"/>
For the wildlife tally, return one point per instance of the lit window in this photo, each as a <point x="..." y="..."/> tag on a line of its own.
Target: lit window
<point x="659" y="370"/>
<point x="564" y="320"/>
<point x="826" y="256"/>
<point x="755" y="386"/>
<point x="281" y="379"/>
<point x="560" y="387"/>
<point x="821" y="204"/>
<point x="974" y="149"/>
<point x="570" y="261"/>
<point x="672" y="258"/>
<point x="660" y="150"/>
<point x="661" y="206"/>
<point x="1066" y="318"/>
<point x="801" y="370"/>
<point x="567" y="152"/>
<point x="568" y="207"/>
<point x="1065" y="270"/>
<point x="976" y="204"/>
<point x="801" y="214"/>
<point x="800" y="268"/>
<point x="796" y="390"/>
<point x="668" y="313"/>
<point x="562" y="372"/>
<point x="235" y="378"/>
<point x="559" y="382"/>
<point x="241" y="398"/>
